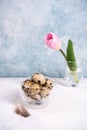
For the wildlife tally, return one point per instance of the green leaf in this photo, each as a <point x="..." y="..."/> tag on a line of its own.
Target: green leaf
<point x="71" y="60"/>
<point x="70" y="51"/>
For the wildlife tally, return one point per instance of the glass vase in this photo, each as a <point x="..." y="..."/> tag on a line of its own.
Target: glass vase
<point x="73" y="76"/>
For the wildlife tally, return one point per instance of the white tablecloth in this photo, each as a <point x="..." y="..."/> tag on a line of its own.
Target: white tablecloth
<point x="66" y="110"/>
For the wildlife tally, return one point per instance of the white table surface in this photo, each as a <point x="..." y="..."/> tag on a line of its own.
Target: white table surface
<point x="66" y="110"/>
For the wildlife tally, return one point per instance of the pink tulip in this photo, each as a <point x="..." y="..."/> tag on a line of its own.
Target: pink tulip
<point x="53" y="41"/>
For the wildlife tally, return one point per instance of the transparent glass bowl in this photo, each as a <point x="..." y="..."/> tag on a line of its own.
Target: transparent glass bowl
<point x="35" y="97"/>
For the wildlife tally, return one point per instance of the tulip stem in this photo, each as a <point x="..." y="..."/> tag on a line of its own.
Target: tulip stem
<point x="75" y="76"/>
<point x="63" y="54"/>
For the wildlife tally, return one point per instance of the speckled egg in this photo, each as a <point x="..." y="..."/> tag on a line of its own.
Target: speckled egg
<point x="49" y="83"/>
<point x="38" y="78"/>
<point x="28" y="82"/>
<point x="34" y="89"/>
<point x="45" y="92"/>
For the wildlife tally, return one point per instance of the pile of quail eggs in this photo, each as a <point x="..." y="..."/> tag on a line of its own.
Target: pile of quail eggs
<point x="38" y="87"/>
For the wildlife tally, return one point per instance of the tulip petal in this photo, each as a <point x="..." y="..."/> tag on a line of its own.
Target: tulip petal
<point x="52" y="41"/>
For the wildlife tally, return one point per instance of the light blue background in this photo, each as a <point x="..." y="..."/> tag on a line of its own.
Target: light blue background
<point x="23" y="25"/>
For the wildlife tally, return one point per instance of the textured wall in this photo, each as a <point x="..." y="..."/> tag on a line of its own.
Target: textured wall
<point x="23" y="25"/>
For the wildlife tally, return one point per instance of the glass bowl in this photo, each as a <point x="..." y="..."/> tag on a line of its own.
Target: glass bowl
<point x="34" y="94"/>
